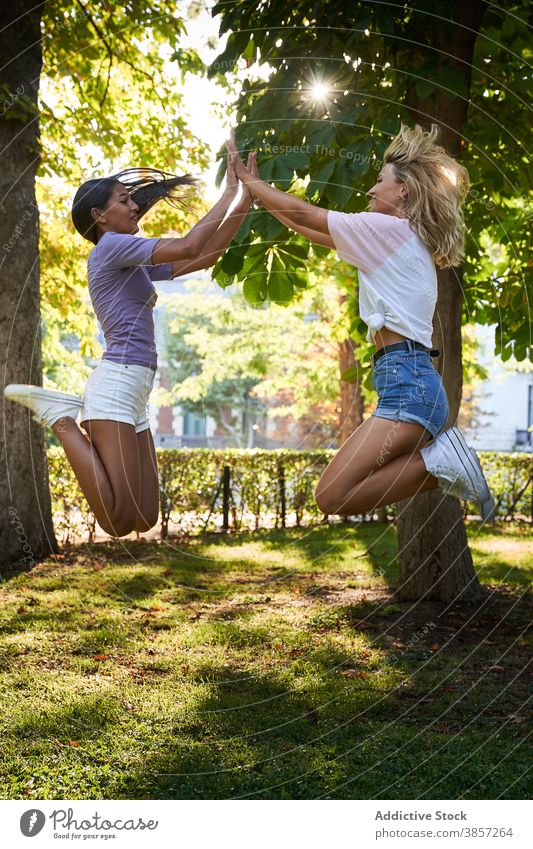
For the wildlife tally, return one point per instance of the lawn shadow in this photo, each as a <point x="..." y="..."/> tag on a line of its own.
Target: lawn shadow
<point x="317" y="718"/>
<point x="332" y="550"/>
<point x="80" y="719"/>
<point x="255" y="735"/>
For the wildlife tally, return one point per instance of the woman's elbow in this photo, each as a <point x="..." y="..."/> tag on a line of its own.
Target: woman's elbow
<point x="190" y="247"/>
<point x="298" y="216"/>
<point x="175" y="250"/>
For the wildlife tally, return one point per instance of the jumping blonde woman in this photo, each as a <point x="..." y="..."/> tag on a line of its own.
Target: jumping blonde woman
<point x="115" y="461"/>
<point x="414" y="222"/>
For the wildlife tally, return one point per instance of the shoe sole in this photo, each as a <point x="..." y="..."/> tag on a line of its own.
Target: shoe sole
<point x="480" y="491"/>
<point x="487" y="508"/>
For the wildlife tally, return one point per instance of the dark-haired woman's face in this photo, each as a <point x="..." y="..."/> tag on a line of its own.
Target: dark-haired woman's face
<point x="120" y="213"/>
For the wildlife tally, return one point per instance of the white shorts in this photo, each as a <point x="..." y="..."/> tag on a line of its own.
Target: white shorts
<point x="119" y="393"/>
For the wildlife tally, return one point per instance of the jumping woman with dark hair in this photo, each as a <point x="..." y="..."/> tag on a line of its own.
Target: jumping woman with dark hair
<point x="115" y="463"/>
<point x="414" y="222"/>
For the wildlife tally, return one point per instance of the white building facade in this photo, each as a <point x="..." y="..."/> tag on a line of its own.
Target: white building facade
<point x="505" y="401"/>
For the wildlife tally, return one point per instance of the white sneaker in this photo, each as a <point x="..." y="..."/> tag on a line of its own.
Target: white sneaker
<point x="47" y="405"/>
<point x="459" y="472"/>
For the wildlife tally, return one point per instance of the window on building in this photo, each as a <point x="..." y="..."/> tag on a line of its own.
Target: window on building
<point x="193" y="425"/>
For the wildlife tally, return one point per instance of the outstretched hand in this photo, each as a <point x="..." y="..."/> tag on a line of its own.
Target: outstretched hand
<point x="231" y="145"/>
<point x="296" y="213"/>
<point x="248" y="173"/>
<point x="232" y="181"/>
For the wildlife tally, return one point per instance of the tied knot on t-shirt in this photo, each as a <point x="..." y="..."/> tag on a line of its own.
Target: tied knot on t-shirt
<point x="376" y="321"/>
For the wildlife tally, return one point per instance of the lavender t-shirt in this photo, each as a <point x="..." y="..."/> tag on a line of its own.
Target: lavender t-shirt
<point x="120" y="273"/>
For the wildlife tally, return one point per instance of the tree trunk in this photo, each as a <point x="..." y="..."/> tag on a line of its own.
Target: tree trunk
<point x="435" y="561"/>
<point x="26" y="531"/>
<point x="351" y="399"/>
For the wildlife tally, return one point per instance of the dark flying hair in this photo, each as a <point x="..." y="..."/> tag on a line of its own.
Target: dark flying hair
<point x="146" y="186"/>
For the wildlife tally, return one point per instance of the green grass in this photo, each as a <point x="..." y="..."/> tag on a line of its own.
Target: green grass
<point x="268" y="665"/>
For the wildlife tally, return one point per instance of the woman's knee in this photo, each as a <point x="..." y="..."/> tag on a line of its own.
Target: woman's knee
<point x="146" y="522"/>
<point x="118" y="529"/>
<point x="118" y="524"/>
<point x="331" y="495"/>
<point x="327" y="500"/>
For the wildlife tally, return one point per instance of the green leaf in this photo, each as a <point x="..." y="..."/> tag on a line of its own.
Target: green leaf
<point x="453" y="79"/>
<point x="221" y="171"/>
<point x="242" y="236"/>
<point x="233" y="259"/>
<point x="299" y="279"/>
<point x="297" y="160"/>
<point x="321" y="178"/>
<point x="275" y="229"/>
<point x="266" y="168"/>
<point x="254" y="264"/>
<point x="254" y="290"/>
<point x="341" y="187"/>
<point x="362" y="158"/>
<point x="282" y="172"/>
<point x="321" y="136"/>
<point x="350" y="375"/>
<point x="280" y="288"/>
<point x="294" y="249"/>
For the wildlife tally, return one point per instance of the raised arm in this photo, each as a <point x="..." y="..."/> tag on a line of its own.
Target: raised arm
<point x="293" y="211"/>
<point x="219" y="242"/>
<point x="193" y="245"/>
<point x="313" y="235"/>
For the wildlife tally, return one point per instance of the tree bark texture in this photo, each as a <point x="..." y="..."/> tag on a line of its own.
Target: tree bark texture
<point x="351" y="399"/>
<point x="26" y="530"/>
<point x="435" y="560"/>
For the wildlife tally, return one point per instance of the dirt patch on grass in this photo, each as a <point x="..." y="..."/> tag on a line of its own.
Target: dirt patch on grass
<point x="499" y="619"/>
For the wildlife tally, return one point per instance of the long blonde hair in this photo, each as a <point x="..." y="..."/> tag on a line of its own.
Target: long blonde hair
<point x="436" y="188"/>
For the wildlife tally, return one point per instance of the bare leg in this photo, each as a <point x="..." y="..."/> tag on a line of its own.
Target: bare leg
<point x="108" y="468"/>
<point x="379" y="464"/>
<point x="401" y="478"/>
<point x="149" y="498"/>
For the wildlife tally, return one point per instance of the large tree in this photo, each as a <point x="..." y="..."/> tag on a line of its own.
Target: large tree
<point x="343" y="76"/>
<point x="26" y="525"/>
<point x="106" y="101"/>
<point x="435" y="560"/>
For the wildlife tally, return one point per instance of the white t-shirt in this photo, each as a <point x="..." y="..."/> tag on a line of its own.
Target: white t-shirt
<point x="397" y="276"/>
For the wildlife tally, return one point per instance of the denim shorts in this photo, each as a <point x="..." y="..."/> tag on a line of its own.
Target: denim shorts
<point x="410" y="390"/>
<point x="118" y="392"/>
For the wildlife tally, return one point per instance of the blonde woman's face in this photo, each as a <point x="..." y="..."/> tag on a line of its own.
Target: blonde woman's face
<point x="387" y="194"/>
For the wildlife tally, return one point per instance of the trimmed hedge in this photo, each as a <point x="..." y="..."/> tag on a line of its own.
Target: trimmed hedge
<point x="204" y="489"/>
<point x="262" y="487"/>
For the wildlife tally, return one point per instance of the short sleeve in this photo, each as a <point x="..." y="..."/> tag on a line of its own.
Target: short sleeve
<point x="367" y="239"/>
<point x="163" y="271"/>
<point x="122" y="250"/>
